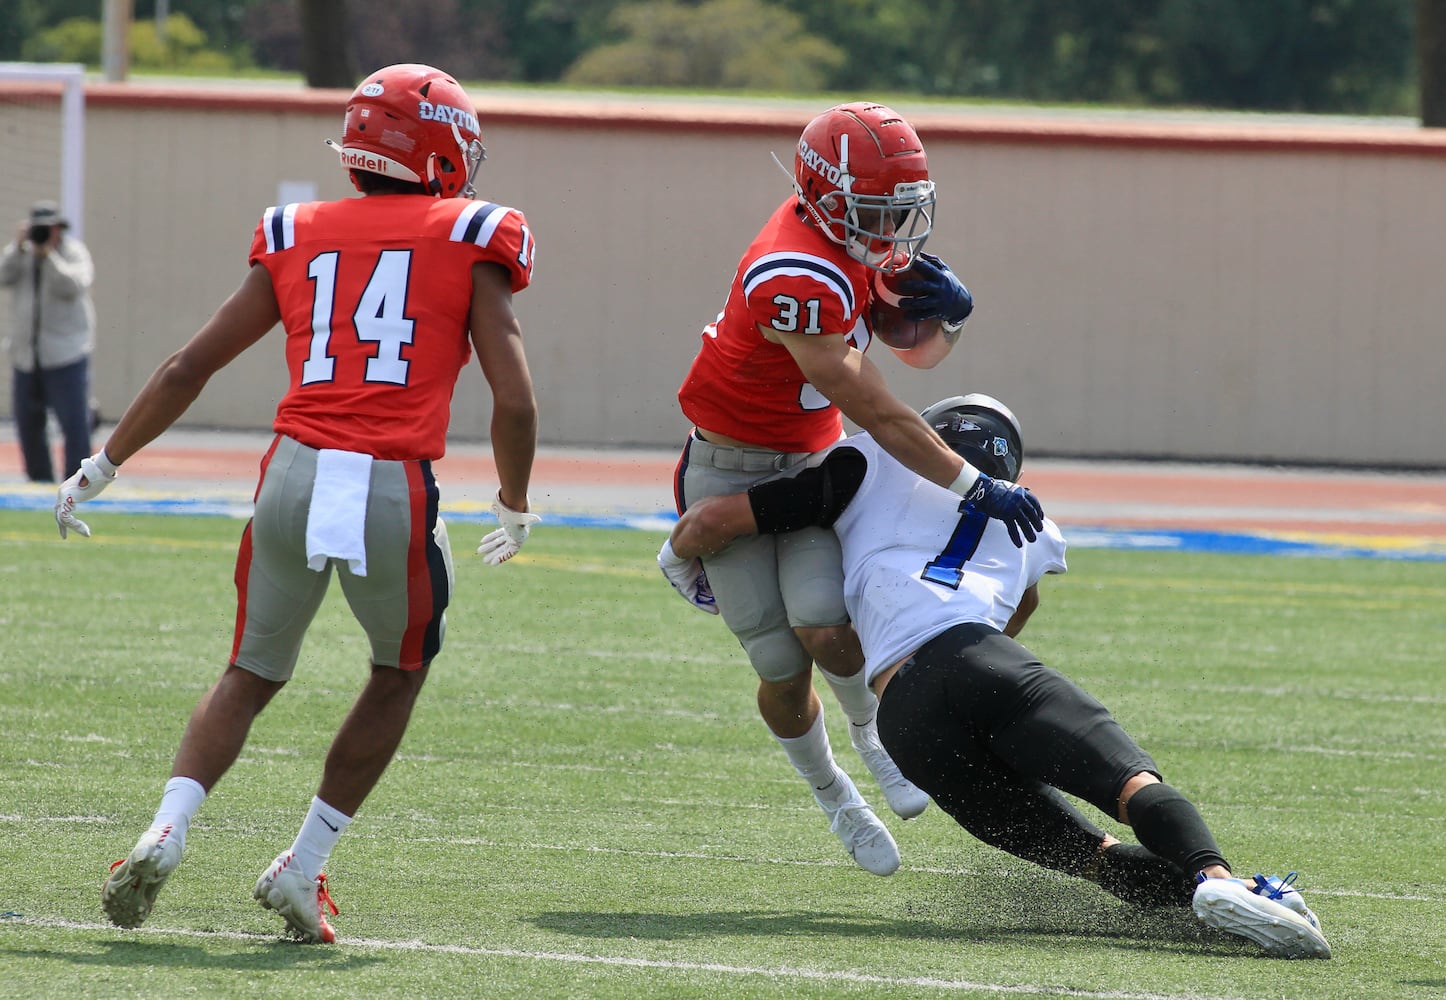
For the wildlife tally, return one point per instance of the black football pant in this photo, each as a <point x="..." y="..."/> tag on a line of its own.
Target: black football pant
<point x="992" y="735"/>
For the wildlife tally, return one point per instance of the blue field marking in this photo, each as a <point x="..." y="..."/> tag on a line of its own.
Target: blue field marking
<point x="1399" y="547"/>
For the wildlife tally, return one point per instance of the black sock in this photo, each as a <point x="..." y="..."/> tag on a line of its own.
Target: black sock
<point x="1168" y="825"/>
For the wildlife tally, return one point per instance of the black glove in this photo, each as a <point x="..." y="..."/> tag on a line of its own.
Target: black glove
<point x="1010" y="503"/>
<point x="930" y="289"/>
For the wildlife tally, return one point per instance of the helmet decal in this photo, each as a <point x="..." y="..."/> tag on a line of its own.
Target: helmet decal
<point x="877" y="200"/>
<point x="415" y="123"/>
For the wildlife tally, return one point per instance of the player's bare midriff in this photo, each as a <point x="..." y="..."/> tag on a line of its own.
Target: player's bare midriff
<point x="713" y="437"/>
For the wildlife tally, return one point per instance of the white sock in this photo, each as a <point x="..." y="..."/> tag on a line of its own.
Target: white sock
<point x="812" y="758"/>
<point x="320" y="831"/>
<point x="854" y="696"/>
<point x="179" y="802"/>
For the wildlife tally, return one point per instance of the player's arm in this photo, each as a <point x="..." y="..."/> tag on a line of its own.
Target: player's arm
<point x="497" y="338"/>
<point x="242" y="320"/>
<point x="814" y="496"/>
<point x="1028" y="602"/>
<point x="855" y="385"/>
<point x="710" y="524"/>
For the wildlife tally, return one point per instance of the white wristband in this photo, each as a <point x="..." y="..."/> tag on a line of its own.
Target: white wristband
<point x="964" y="482"/>
<point x="103" y="462"/>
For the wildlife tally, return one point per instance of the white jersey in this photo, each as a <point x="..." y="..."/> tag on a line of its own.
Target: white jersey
<point x="915" y="565"/>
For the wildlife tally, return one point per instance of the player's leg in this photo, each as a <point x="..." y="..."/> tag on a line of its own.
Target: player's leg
<point x="1042" y="730"/>
<point x="942" y="747"/>
<point x="400" y="602"/>
<point x="277" y="597"/>
<point x="27" y="399"/>
<point x="745" y="582"/>
<point x="810" y="576"/>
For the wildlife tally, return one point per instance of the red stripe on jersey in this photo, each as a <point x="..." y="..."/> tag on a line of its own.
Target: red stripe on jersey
<point x="243" y="573"/>
<point x="243" y="558"/>
<point x="419" y="575"/>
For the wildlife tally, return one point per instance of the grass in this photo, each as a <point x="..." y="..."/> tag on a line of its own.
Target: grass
<point x="587" y="805"/>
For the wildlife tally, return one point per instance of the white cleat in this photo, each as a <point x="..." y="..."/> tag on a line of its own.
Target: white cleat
<point x="866" y="839"/>
<point x="130" y="892"/>
<point x="905" y="798"/>
<point x="1230" y="905"/>
<point x="302" y="902"/>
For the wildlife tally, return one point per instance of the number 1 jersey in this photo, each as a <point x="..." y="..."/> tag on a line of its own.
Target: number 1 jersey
<point x="917" y="560"/>
<point x="375" y="296"/>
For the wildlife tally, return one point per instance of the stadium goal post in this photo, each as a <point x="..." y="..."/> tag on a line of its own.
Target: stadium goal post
<point x="30" y="86"/>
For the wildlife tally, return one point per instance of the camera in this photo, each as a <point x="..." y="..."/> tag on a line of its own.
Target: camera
<point x="40" y="234"/>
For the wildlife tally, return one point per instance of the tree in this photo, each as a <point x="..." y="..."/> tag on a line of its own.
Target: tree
<point x="1431" y="60"/>
<point x="730" y="44"/>
<point x="326" y="44"/>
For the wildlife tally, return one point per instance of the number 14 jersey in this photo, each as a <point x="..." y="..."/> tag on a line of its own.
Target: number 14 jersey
<point x="375" y="296"/>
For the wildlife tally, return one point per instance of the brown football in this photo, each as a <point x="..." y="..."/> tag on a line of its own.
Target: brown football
<point x="888" y="322"/>
<point x="892" y="327"/>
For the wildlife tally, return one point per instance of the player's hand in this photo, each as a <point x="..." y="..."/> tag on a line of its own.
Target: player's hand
<point x="89" y="481"/>
<point x="930" y="289"/>
<point x="1008" y="502"/>
<point x="502" y="544"/>
<point x="688" y="578"/>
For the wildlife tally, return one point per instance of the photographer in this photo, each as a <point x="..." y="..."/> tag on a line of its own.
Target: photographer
<point x="52" y="335"/>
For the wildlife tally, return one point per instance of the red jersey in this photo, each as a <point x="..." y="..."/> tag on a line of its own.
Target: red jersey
<point x="796" y="280"/>
<point x="375" y="295"/>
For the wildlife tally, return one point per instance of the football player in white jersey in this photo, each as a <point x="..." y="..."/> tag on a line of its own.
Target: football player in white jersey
<point x="937" y="592"/>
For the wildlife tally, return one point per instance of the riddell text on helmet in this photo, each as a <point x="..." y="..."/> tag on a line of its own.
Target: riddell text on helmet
<point x="816" y="162"/>
<point x="448" y="115"/>
<point x="354" y="160"/>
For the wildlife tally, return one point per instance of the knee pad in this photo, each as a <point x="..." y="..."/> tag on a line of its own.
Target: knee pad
<point x="774" y="651"/>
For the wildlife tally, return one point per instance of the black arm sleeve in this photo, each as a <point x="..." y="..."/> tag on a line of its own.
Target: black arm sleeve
<point x="815" y="496"/>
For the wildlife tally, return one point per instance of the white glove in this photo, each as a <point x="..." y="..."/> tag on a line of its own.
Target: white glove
<point x="99" y="472"/>
<point x="688" y="578"/>
<point x="501" y="545"/>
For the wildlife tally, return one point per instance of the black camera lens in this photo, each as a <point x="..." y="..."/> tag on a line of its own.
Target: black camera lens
<point x="39" y="234"/>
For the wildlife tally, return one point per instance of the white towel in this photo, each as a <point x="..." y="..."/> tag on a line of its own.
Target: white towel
<point x="337" y="519"/>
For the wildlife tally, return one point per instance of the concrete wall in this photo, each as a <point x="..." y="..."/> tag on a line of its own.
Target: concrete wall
<point x="1144" y="288"/>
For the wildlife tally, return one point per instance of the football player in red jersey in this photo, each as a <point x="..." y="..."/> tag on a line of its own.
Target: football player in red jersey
<point x="776" y="373"/>
<point x="381" y="300"/>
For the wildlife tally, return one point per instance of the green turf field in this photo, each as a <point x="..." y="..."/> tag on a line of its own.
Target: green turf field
<point x="587" y="805"/>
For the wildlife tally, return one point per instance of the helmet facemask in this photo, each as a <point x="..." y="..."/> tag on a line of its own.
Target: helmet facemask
<point x="472" y="152"/>
<point x="883" y="230"/>
<point x="886" y="232"/>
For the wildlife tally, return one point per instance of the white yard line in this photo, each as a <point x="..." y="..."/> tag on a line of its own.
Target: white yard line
<point x="627" y="962"/>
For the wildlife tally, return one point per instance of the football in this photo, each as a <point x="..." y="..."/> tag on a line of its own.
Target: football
<point x="888" y="322"/>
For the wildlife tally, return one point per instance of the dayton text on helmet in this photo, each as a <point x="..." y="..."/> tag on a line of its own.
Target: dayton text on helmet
<point x="448" y="115"/>
<point x="818" y="163"/>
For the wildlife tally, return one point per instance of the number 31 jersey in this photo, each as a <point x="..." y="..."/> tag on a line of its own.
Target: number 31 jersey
<point x="792" y="279"/>
<point x="375" y="296"/>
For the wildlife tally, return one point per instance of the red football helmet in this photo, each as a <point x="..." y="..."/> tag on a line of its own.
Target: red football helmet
<point x="415" y="123"/>
<point x="861" y="173"/>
